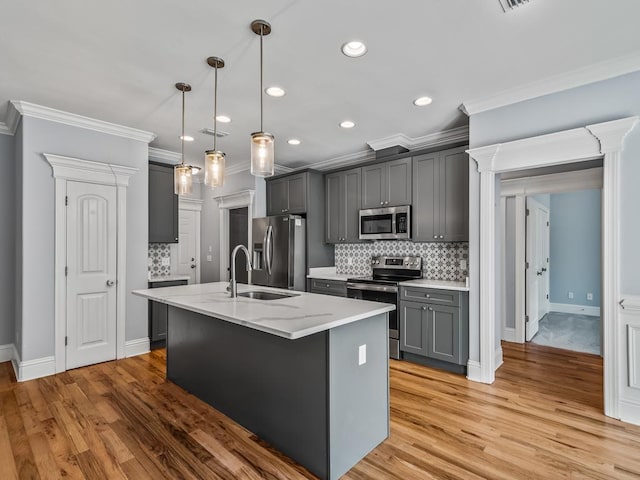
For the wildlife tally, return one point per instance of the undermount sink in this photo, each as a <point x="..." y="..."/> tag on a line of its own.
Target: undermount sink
<point x="258" y="295"/>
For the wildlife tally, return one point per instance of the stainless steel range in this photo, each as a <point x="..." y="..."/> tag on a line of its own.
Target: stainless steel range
<point x="382" y="286"/>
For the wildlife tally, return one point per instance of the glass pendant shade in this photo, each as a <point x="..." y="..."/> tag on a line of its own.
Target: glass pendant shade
<point x="262" y="154"/>
<point x="214" y="168"/>
<point x="183" y="179"/>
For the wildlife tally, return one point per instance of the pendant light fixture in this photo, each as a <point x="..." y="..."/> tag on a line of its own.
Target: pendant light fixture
<point x="214" y="159"/>
<point x="262" y="143"/>
<point x="183" y="174"/>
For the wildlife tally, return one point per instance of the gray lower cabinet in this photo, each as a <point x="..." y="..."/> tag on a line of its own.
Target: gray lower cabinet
<point x="387" y="184"/>
<point x="163" y="205"/>
<point x="434" y="327"/>
<point x="343" y="199"/>
<point x="337" y="288"/>
<point x="158" y="315"/>
<point x="441" y="196"/>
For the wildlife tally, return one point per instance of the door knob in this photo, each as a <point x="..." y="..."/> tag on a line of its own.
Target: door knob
<point x="538" y="273"/>
<point x="110" y="283"/>
<point x="544" y="269"/>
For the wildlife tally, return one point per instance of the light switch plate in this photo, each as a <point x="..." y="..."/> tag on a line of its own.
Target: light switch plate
<point x="166" y="262"/>
<point x="362" y="354"/>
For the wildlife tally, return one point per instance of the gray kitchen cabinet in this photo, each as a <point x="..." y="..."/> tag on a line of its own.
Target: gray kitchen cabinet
<point x="342" y="193"/>
<point x="163" y="205"/>
<point x="337" y="288"/>
<point x="434" y="327"/>
<point x="158" y="313"/>
<point x="441" y="196"/>
<point x="287" y="194"/>
<point x="387" y="184"/>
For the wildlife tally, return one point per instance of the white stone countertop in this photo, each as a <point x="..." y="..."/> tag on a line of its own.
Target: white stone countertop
<point x="294" y="317"/>
<point x="168" y="278"/>
<point x="441" y="284"/>
<point x="327" y="273"/>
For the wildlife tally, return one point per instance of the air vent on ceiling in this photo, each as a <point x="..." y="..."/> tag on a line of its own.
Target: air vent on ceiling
<point x="209" y="131"/>
<point x="508" y="5"/>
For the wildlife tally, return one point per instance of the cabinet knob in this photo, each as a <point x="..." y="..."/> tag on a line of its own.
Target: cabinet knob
<point x="424" y="308"/>
<point x="428" y="296"/>
<point x="386" y="203"/>
<point x="430" y="309"/>
<point x="328" y="285"/>
<point x="441" y="236"/>
<point x="381" y="203"/>
<point x="435" y="236"/>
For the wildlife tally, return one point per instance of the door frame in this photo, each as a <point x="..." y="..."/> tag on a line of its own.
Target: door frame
<point x="192" y="205"/>
<point x="569" y="146"/>
<point x="244" y="198"/>
<point x="74" y="169"/>
<point x="521" y="188"/>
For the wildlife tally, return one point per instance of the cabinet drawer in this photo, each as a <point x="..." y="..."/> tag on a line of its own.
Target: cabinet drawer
<point x="430" y="295"/>
<point x="329" y="287"/>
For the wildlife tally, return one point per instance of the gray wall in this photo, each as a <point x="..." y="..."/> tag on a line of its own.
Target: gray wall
<point x="38" y="225"/>
<point x="210" y="221"/>
<point x="575" y="249"/>
<point x="7" y="239"/>
<point x="599" y="102"/>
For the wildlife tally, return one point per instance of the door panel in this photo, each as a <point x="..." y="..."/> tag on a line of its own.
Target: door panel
<point x="444" y="333"/>
<point x="399" y="182"/>
<point x="373" y="186"/>
<point x="280" y="251"/>
<point x="91" y="264"/>
<point x="277" y="192"/>
<point x="297" y="191"/>
<point x="413" y="328"/>
<point x="454" y="196"/>
<point x="335" y="221"/>
<point x="426" y="190"/>
<point x="187" y="255"/>
<point x="535" y="249"/>
<point x="353" y="199"/>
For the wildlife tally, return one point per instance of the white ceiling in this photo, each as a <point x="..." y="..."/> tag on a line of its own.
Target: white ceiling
<point x="118" y="60"/>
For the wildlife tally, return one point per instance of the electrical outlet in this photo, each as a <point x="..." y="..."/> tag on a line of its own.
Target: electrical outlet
<point x="349" y="261"/>
<point x="362" y="354"/>
<point x="571" y="295"/>
<point x="463" y="264"/>
<point x="590" y="296"/>
<point x="166" y="262"/>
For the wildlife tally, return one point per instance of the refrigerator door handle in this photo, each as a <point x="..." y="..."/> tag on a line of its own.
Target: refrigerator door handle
<point x="268" y="247"/>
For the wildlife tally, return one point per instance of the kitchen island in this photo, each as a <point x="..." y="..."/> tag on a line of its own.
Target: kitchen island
<point x="306" y="373"/>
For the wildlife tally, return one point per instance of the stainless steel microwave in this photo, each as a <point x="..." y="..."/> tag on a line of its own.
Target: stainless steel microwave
<point x="388" y="223"/>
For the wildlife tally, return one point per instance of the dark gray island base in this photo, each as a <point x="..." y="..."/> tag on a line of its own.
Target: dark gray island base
<point x="309" y="398"/>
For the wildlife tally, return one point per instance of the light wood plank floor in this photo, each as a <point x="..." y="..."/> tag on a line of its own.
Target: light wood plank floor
<point x="541" y="419"/>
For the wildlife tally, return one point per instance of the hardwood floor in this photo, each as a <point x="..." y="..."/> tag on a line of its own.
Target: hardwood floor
<point x="540" y="419"/>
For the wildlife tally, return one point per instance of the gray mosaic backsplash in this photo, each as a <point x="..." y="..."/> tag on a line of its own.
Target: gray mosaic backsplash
<point x="158" y="251"/>
<point x="440" y="261"/>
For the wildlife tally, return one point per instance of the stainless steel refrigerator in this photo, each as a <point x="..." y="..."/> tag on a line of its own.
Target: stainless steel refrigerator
<point x="279" y="257"/>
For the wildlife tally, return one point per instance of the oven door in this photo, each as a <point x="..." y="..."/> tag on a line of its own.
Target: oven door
<point x="383" y="294"/>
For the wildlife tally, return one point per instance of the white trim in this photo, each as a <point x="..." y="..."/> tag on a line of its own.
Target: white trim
<point x="473" y="371"/>
<point x="164" y="156"/>
<point x="631" y="303"/>
<point x="445" y="137"/>
<point x="510" y="334"/>
<point x="245" y="167"/>
<point x="557" y="83"/>
<point x="244" y="198"/>
<point x="74" y="169"/>
<point x="498" y="357"/>
<point x="27" y="109"/>
<point x="579" y="144"/>
<point x="588" y="179"/>
<point x="519" y="264"/>
<point x="135" y="347"/>
<point x="575" y="309"/>
<point x="4" y="130"/>
<point x="11" y="122"/>
<point x="31" y="369"/>
<point x="194" y="205"/>
<point x="6" y="352"/>
<point x="633" y="347"/>
<point x="630" y="411"/>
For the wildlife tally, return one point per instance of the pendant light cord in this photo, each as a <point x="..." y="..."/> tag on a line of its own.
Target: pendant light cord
<point x="261" y="96"/>
<point x="215" y="108"/>
<point x="182" y="138"/>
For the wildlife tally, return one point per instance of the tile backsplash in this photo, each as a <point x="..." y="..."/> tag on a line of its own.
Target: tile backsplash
<point x="440" y="261"/>
<point x="158" y="252"/>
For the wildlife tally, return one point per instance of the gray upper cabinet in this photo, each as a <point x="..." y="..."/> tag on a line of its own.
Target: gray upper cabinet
<point x="343" y="204"/>
<point x="441" y="196"/>
<point x="387" y="184"/>
<point x="287" y="194"/>
<point x="163" y="205"/>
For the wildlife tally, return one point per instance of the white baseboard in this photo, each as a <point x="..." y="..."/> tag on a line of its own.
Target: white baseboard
<point x="136" y="347"/>
<point x="629" y="411"/>
<point x="509" y="335"/>
<point x="474" y="372"/>
<point x="30" y="369"/>
<point x="577" y="309"/>
<point x="498" y="357"/>
<point x="6" y="352"/>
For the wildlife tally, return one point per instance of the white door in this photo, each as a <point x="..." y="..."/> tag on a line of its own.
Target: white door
<point x="537" y="248"/>
<point x="187" y="245"/>
<point x="91" y="274"/>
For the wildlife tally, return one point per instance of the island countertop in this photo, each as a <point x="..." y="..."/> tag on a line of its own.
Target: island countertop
<point x="294" y="317"/>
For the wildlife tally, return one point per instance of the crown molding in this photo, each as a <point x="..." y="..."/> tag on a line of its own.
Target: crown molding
<point x="459" y="134"/>
<point x="343" y="160"/>
<point x="164" y="156"/>
<point x="244" y="167"/>
<point x="4" y="130"/>
<point x="11" y="122"/>
<point x="557" y="83"/>
<point x="27" y="109"/>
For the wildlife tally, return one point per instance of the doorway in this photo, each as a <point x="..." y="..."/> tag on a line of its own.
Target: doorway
<point x="537" y="263"/>
<point x="187" y="250"/>
<point x="239" y="235"/>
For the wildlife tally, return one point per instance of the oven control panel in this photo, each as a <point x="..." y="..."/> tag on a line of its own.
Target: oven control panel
<point x="402" y="263"/>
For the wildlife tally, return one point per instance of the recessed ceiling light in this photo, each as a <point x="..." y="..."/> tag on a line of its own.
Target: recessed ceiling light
<point x="354" y="49"/>
<point x="422" y="101"/>
<point x="275" y="92"/>
<point x="293" y="141"/>
<point x="223" y="119"/>
<point x="187" y="138"/>
<point x="347" y="124"/>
